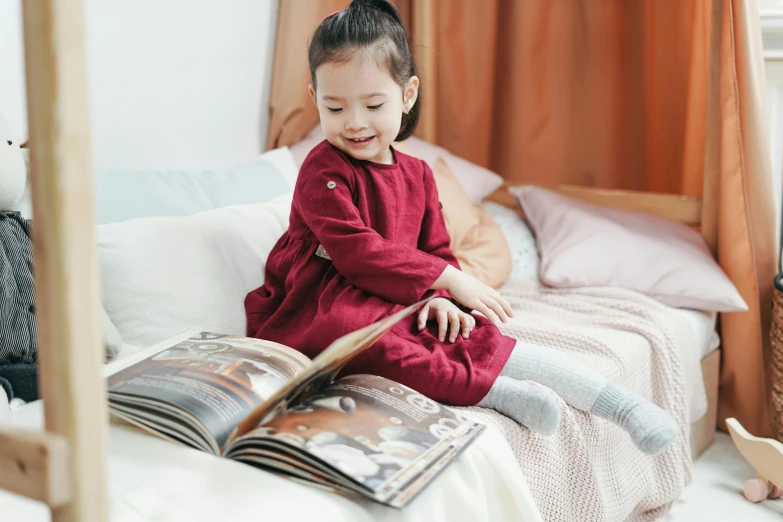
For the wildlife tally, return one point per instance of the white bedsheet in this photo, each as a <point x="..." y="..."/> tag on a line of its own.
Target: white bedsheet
<point x="152" y="479"/>
<point x="703" y="326"/>
<point x="705" y="341"/>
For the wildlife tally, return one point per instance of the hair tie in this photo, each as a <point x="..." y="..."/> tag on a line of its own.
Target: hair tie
<point x="331" y="15"/>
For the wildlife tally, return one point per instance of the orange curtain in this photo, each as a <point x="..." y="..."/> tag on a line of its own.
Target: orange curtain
<point x="291" y="112"/>
<point x="635" y="94"/>
<point x="740" y="217"/>
<point x="581" y="92"/>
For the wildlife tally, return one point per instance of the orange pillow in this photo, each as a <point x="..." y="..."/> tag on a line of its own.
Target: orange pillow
<point x="476" y="240"/>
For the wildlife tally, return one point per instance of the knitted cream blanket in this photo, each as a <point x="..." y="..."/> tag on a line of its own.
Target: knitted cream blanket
<point x="590" y="470"/>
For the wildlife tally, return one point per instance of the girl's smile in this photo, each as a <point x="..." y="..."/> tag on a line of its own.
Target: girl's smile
<point x="360" y="143"/>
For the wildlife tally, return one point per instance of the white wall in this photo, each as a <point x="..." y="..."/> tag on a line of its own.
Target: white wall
<point x="774" y="75"/>
<point x="771" y="14"/>
<point x="174" y="84"/>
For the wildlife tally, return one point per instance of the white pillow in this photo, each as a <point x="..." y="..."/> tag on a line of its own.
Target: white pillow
<point x="163" y="275"/>
<point x="586" y="245"/>
<point x="122" y="194"/>
<point x="521" y="242"/>
<point x="283" y="159"/>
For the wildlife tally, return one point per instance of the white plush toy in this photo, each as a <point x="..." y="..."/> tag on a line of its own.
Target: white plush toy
<point x="13" y="168"/>
<point x="18" y="323"/>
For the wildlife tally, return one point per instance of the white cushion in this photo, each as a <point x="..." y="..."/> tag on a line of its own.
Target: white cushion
<point x="163" y="275"/>
<point x="521" y="242"/>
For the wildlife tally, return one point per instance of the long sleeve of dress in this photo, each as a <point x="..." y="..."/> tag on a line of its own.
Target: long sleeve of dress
<point x="393" y="271"/>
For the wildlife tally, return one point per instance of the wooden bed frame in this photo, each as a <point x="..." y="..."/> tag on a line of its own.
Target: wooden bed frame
<point x="65" y="467"/>
<point x="684" y="209"/>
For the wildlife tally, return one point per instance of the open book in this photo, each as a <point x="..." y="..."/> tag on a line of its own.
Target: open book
<point x="268" y="405"/>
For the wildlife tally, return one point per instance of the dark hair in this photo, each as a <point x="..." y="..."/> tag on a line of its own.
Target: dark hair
<point x="368" y="24"/>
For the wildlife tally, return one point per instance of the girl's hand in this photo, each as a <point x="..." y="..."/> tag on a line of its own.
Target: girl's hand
<point x="475" y="295"/>
<point x="447" y="314"/>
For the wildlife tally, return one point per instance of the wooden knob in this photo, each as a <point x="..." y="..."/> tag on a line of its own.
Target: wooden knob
<point x="756" y="490"/>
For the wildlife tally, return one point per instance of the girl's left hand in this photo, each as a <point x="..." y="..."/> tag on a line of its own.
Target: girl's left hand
<point x="447" y="314"/>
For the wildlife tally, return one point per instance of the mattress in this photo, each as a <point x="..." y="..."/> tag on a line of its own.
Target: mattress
<point x="704" y="332"/>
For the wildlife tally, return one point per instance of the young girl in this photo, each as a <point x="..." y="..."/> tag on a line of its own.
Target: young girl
<point x="367" y="237"/>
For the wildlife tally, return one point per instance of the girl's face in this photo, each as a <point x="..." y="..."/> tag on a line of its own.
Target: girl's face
<point x="361" y="107"/>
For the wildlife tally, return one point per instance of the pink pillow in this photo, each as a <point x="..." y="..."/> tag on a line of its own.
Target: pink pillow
<point x="581" y="245"/>
<point x="476" y="181"/>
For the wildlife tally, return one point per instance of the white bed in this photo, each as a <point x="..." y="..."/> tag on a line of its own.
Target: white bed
<point x="151" y="479"/>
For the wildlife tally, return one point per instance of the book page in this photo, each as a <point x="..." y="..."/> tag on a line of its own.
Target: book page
<point x="386" y="437"/>
<point x="216" y="379"/>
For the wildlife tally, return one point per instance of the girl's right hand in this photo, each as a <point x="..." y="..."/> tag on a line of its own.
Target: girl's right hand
<point x="474" y="294"/>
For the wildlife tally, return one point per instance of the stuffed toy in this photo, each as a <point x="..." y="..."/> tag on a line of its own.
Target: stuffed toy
<point x="18" y="325"/>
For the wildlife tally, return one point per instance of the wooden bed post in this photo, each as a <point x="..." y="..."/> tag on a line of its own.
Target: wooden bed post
<point x="65" y="467"/>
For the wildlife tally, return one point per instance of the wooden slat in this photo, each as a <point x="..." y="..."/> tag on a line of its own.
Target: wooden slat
<point x="684" y="209"/>
<point x="65" y="251"/>
<point x="424" y="13"/>
<point x="35" y="466"/>
<point x="703" y="430"/>
<point x="503" y="197"/>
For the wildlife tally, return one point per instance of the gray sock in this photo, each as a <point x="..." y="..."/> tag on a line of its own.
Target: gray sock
<point x="575" y="383"/>
<point x="534" y="407"/>
<point x="650" y="427"/>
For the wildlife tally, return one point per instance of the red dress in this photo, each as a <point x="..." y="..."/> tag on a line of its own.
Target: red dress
<point x="382" y="227"/>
